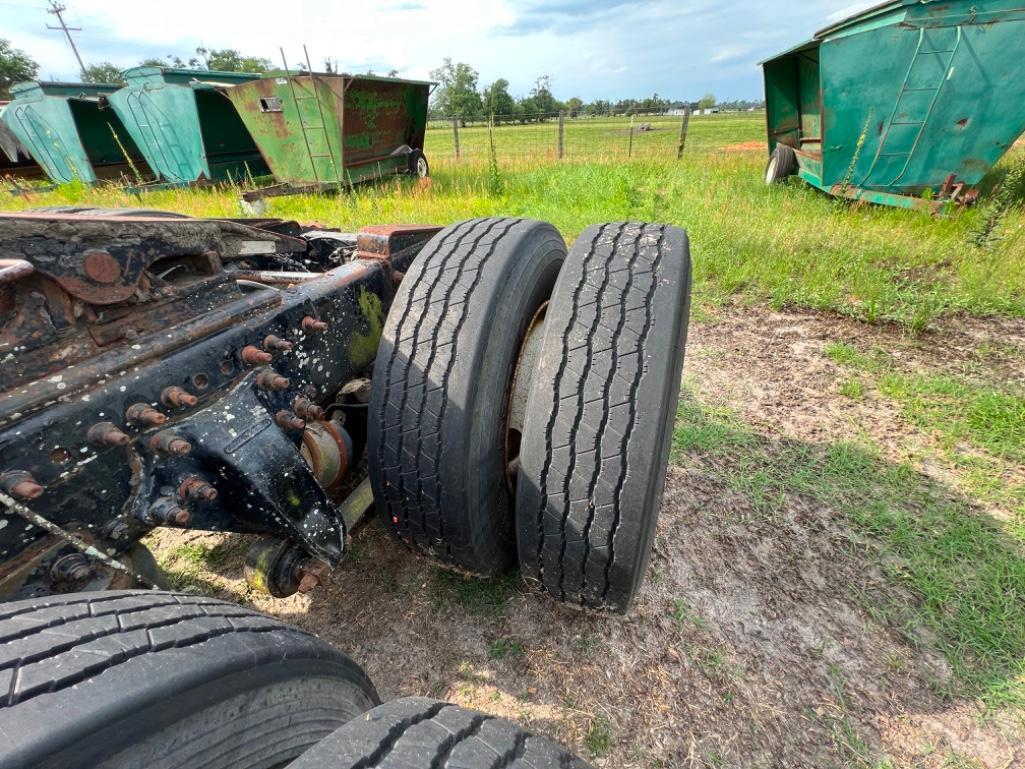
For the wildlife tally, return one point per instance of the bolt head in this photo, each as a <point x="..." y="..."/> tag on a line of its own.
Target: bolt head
<point x="308" y="582"/>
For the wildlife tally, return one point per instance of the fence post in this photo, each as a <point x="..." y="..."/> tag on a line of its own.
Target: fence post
<point x="630" y="147"/>
<point x="562" y="131"/>
<point x="683" y="132"/>
<point x="455" y="135"/>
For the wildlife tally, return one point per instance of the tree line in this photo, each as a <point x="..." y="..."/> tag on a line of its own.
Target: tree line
<point x="459" y="95"/>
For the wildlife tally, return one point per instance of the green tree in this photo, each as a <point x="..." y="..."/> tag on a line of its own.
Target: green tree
<point x="230" y="60"/>
<point x="15" y="66"/>
<point x="456" y="95"/>
<point x="179" y="63"/>
<point x="574" y="105"/>
<point x="707" y="101"/>
<point x="541" y="93"/>
<point x="497" y="100"/>
<point x="526" y="110"/>
<point x="154" y="62"/>
<point x="102" y="72"/>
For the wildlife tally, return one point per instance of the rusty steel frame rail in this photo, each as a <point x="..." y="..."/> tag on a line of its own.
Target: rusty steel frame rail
<point x="201" y="425"/>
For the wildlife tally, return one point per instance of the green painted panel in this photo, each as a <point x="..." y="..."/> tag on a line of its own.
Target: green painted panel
<point x="783" y="117"/>
<point x="48" y="131"/>
<point x="164" y="122"/>
<point x="810" y="93"/>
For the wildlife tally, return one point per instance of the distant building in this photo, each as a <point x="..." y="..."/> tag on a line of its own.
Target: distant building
<point x="679" y="111"/>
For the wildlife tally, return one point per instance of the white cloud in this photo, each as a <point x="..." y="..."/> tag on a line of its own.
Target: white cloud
<point x="729" y="52"/>
<point x="600" y="49"/>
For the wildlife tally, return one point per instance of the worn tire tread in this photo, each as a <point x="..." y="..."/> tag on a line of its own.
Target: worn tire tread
<point x="444" y="308"/>
<point x="596" y="441"/>
<point x="420" y="733"/>
<point x="101" y="660"/>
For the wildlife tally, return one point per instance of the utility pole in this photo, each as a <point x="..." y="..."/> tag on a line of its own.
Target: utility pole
<point x="57" y="9"/>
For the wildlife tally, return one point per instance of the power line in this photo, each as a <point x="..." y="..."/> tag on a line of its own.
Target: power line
<point x="57" y="10"/>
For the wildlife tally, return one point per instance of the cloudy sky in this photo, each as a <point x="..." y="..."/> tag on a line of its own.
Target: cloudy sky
<point x="592" y="48"/>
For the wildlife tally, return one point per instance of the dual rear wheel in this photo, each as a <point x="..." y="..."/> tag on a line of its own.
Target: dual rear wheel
<point x="523" y="401"/>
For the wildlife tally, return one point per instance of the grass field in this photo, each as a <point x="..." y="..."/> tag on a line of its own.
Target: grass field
<point x="839" y="570"/>
<point x="591" y="139"/>
<point x="788" y="245"/>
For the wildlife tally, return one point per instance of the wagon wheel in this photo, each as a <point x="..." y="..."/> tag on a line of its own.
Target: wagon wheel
<point x="143" y="678"/>
<point x="782" y="164"/>
<point x="441" y="388"/>
<point x="600" y="414"/>
<point x="418" y="165"/>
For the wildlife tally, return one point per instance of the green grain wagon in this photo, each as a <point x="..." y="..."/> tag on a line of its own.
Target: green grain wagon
<point x="907" y="104"/>
<point x="185" y="126"/>
<point x="325" y="131"/>
<point x="66" y="128"/>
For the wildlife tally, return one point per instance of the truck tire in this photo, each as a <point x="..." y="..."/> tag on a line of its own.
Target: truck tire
<point x="120" y="679"/>
<point x="600" y="414"/>
<point x="782" y="164"/>
<point x="441" y="383"/>
<point x="417" y="733"/>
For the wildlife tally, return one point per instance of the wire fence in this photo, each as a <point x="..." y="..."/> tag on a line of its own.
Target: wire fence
<point x="555" y="137"/>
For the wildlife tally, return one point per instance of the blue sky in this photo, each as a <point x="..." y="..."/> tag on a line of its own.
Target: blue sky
<point x="591" y="48"/>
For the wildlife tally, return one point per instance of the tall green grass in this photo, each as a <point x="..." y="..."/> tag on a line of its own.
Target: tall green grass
<point x="788" y="245"/>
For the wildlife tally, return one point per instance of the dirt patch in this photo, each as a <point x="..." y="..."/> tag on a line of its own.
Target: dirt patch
<point x="751" y="146"/>
<point x="753" y="643"/>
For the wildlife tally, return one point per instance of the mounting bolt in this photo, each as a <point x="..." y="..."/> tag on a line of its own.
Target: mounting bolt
<point x="117" y="530"/>
<point x="144" y="415"/>
<point x="20" y="484"/>
<point x="313" y="326"/>
<point x="166" y="511"/>
<point x="73" y="567"/>
<point x="311" y="573"/>
<point x="306" y="408"/>
<point x="270" y="380"/>
<point x="195" y="488"/>
<point x="176" y="398"/>
<point x="103" y="434"/>
<point x="288" y="421"/>
<point x="276" y="343"/>
<point x="168" y="442"/>
<point x="252" y="355"/>
<point x="308" y="582"/>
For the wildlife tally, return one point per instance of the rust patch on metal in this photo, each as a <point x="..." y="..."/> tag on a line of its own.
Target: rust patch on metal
<point x="386" y="243"/>
<point x="101" y="267"/>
